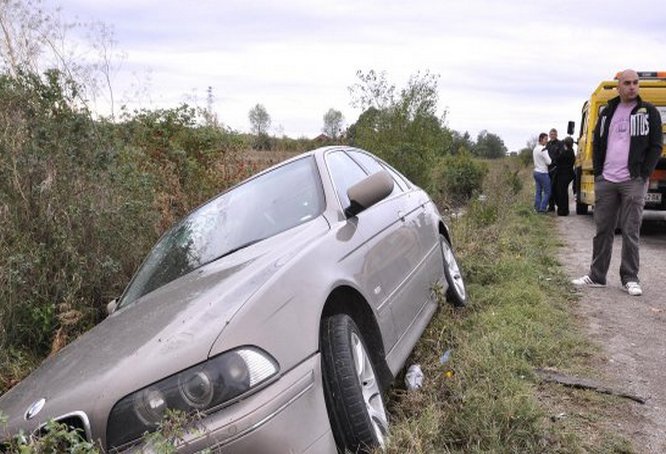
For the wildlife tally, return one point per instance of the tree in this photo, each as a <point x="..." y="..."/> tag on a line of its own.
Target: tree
<point x="332" y="123"/>
<point x="489" y="145"/>
<point x="403" y="128"/>
<point x="525" y="154"/>
<point x="34" y="39"/>
<point x="373" y="90"/>
<point x="260" y="121"/>
<point x="531" y="143"/>
<point x="461" y="142"/>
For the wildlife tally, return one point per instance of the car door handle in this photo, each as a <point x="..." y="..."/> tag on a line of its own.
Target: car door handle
<point x="401" y="215"/>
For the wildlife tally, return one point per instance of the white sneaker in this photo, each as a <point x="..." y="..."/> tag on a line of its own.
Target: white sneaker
<point x="585" y="281"/>
<point x="633" y="288"/>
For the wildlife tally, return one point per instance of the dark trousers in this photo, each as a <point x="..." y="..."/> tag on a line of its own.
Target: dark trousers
<point x="561" y="194"/>
<point x="626" y="198"/>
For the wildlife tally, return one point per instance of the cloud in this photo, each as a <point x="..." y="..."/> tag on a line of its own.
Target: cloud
<point x="514" y="68"/>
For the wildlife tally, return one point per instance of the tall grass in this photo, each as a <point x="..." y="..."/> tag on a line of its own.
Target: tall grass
<point x="486" y="398"/>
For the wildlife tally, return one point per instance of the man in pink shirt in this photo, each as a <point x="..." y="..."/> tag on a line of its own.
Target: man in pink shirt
<point x="627" y="145"/>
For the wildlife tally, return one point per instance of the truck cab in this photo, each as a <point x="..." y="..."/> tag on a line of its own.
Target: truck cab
<point x="653" y="90"/>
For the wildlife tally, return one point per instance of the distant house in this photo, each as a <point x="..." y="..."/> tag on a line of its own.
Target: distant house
<point x="322" y="138"/>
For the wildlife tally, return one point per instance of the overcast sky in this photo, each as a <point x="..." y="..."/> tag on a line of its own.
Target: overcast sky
<point x="514" y="68"/>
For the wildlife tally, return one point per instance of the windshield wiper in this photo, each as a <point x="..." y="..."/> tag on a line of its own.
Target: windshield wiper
<point x="236" y="249"/>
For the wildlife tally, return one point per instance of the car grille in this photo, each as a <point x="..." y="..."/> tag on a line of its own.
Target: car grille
<point x="78" y="422"/>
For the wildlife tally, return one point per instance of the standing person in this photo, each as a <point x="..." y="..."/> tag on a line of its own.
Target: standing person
<point x="541" y="161"/>
<point x="627" y="145"/>
<point x="554" y="147"/>
<point x="564" y="175"/>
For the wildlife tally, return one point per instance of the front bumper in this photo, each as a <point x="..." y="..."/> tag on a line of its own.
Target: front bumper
<point x="289" y="415"/>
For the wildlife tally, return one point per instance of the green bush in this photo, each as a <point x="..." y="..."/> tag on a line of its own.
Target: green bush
<point x="458" y="178"/>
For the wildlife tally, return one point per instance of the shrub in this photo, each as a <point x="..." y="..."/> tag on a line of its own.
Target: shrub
<point x="82" y="201"/>
<point x="458" y="178"/>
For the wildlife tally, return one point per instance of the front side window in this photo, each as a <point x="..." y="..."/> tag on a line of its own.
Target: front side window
<point x="255" y="210"/>
<point x="373" y="166"/>
<point x="345" y="173"/>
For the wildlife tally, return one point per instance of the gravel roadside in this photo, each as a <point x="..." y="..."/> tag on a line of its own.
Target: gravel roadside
<point x="631" y="330"/>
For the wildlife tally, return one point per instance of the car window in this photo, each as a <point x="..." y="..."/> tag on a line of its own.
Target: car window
<point x="345" y="173"/>
<point x="257" y="209"/>
<point x="402" y="181"/>
<point x="373" y="166"/>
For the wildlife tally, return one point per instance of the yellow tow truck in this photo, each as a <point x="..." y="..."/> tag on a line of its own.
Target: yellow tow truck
<point x="653" y="90"/>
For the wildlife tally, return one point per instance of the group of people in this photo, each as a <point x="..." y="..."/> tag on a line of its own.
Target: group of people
<point x="554" y="161"/>
<point x="626" y="147"/>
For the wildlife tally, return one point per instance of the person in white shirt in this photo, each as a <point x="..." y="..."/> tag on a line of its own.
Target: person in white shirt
<point x="541" y="178"/>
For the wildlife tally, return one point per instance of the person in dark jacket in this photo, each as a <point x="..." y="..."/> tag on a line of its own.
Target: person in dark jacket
<point x="564" y="175"/>
<point x="554" y="147"/>
<point x="627" y="145"/>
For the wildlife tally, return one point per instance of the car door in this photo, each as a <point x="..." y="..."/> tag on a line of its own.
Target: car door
<point x="401" y="252"/>
<point x="370" y="224"/>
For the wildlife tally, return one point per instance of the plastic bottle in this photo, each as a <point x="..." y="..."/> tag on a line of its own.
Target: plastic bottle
<point x="414" y="377"/>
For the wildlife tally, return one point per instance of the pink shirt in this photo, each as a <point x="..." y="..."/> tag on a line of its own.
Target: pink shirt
<point x="616" y="166"/>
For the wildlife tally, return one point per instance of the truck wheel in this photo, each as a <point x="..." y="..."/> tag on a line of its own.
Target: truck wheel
<point x="581" y="208"/>
<point x="353" y="390"/>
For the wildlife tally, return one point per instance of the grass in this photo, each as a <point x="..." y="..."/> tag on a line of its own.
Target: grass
<point x="487" y="398"/>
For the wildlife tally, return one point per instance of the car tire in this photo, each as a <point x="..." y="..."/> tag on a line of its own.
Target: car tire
<point x="581" y="208"/>
<point x="456" y="293"/>
<point x="352" y="386"/>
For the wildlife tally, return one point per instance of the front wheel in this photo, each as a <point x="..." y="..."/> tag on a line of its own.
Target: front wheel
<point x="353" y="391"/>
<point x="456" y="293"/>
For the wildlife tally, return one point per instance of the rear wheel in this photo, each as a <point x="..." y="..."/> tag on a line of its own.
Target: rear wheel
<point x="581" y="208"/>
<point x="353" y="391"/>
<point x="456" y="293"/>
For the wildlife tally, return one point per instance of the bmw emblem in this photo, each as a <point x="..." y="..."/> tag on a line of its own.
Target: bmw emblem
<point x="35" y="408"/>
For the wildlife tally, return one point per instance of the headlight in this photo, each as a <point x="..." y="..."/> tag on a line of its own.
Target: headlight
<point x="200" y="388"/>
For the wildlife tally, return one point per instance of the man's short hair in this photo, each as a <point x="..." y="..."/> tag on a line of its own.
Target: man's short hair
<point x="553" y="130"/>
<point x="568" y="141"/>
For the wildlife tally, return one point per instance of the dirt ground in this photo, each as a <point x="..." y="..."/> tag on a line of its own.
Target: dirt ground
<point x="630" y="330"/>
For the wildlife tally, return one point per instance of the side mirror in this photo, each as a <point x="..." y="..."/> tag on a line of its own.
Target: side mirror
<point x="571" y="126"/>
<point x="368" y="191"/>
<point x="111" y="307"/>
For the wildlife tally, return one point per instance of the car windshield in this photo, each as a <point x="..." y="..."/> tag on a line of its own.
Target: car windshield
<point x="255" y="210"/>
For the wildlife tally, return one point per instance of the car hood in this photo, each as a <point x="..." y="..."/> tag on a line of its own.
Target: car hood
<point x="165" y="331"/>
